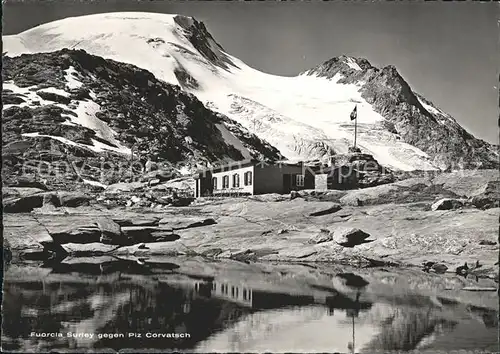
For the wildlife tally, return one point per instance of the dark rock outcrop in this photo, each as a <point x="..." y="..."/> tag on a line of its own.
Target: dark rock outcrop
<point x="489" y="197"/>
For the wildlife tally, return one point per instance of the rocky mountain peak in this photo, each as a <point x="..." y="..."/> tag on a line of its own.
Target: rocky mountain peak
<point x="197" y="33"/>
<point x="342" y="64"/>
<point x="413" y="118"/>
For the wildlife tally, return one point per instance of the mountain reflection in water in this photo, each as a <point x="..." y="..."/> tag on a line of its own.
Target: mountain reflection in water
<point x="219" y="314"/>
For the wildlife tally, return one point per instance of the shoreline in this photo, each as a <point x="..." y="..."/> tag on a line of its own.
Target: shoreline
<point x="411" y="222"/>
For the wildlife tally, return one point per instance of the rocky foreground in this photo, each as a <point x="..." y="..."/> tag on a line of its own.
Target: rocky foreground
<point x="441" y="222"/>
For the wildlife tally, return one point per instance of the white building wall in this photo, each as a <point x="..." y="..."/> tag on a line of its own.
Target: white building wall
<point x="242" y="188"/>
<point x="321" y="182"/>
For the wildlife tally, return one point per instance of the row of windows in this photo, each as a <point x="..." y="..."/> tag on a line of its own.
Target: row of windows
<point x="299" y="180"/>
<point x="234" y="291"/>
<point x="247" y="177"/>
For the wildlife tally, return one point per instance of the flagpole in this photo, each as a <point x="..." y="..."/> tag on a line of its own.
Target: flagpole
<point x="353" y="337"/>
<point x="355" y="130"/>
<point x="355" y="125"/>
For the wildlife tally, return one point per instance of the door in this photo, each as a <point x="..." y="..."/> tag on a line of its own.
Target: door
<point x="287" y="183"/>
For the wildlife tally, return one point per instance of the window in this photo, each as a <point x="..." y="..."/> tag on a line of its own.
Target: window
<point x="248" y="178"/>
<point x="214" y="183"/>
<point x="236" y="180"/>
<point x="299" y="180"/>
<point x="225" y="182"/>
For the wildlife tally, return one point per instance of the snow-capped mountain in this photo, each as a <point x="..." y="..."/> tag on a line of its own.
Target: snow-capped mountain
<point x="304" y="117"/>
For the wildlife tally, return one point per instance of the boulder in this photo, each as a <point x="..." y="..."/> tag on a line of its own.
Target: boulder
<point x="73" y="199"/>
<point x="294" y="195"/>
<point x="488" y="196"/>
<point x="485" y="202"/>
<point x="447" y="204"/>
<point x="111" y="232"/>
<point x="349" y="237"/>
<point x="320" y="237"/>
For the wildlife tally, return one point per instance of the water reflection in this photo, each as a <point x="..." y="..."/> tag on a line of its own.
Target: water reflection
<point x="218" y="313"/>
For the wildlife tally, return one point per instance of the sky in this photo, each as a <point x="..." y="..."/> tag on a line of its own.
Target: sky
<point x="447" y="51"/>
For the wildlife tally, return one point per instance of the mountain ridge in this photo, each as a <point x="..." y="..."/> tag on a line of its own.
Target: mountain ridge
<point x="75" y="107"/>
